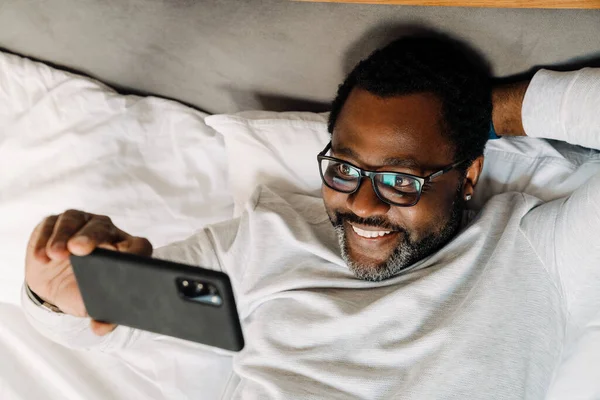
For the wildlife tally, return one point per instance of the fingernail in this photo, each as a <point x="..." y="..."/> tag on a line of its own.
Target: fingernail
<point x="81" y="240"/>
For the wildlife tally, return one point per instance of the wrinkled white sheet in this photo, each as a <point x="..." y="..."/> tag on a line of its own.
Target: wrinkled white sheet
<point x="152" y="165"/>
<point x="33" y="367"/>
<point x="70" y="142"/>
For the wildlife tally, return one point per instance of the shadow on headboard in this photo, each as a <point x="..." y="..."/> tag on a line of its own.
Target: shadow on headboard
<point x="385" y="33"/>
<point x="284" y="103"/>
<point x="378" y="37"/>
<point x="592" y="61"/>
<point x="257" y="100"/>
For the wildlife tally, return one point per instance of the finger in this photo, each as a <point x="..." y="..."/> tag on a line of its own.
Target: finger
<point x="39" y="238"/>
<point x="102" y="328"/>
<point x="67" y="225"/>
<point x="106" y="246"/>
<point x="98" y="230"/>
<point x="135" y="245"/>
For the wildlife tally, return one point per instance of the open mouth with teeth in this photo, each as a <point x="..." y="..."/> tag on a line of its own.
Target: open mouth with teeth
<point x="369" y="234"/>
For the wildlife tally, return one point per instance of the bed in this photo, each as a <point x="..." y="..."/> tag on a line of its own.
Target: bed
<point x="164" y="169"/>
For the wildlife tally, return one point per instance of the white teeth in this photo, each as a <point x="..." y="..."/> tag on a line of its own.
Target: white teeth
<point x="369" y="234"/>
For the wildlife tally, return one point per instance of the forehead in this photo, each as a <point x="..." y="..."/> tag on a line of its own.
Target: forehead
<point x="401" y="127"/>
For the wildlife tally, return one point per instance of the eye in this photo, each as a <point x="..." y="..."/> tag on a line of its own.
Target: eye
<point x="401" y="182"/>
<point x="397" y="181"/>
<point x="346" y="170"/>
<point x="398" y="185"/>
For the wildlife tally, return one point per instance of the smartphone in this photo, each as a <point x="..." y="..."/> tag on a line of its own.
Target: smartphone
<point x="159" y="296"/>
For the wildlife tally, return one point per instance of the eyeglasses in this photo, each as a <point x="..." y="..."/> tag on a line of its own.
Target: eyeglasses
<point x="394" y="188"/>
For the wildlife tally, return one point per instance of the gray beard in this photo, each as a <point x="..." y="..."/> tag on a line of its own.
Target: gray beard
<point x="407" y="253"/>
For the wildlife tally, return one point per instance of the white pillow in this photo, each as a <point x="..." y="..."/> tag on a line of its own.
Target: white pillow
<point x="280" y="149"/>
<point x="70" y="142"/>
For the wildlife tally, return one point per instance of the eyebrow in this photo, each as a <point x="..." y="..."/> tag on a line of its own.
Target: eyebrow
<point x="392" y="161"/>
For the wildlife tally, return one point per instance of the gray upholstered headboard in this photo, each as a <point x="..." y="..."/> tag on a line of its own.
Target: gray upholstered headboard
<point x="229" y="55"/>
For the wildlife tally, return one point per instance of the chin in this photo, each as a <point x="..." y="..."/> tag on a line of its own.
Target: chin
<point x="370" y="260"/>
<point x="374" y="272"/>
<point x="365" y="267"/>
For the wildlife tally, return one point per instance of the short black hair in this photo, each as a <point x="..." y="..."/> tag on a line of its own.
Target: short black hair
<point x="431" y="63"/>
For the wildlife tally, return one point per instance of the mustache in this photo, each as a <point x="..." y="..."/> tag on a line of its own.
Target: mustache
<point x="375" y="221"/>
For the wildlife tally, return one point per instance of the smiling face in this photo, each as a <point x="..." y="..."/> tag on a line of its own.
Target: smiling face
<point x="402" y="134"/>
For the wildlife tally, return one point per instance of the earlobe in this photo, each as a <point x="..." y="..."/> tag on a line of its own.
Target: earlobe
<point x="472" y="177"/>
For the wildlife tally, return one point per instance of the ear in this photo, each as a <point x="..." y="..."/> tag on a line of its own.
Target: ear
<point x="472" y="176"/>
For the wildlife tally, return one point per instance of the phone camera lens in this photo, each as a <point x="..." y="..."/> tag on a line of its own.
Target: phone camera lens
<point x="200" y="292"/>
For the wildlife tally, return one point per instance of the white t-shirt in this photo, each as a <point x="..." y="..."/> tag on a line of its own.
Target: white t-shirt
<point x="487" y="316"/>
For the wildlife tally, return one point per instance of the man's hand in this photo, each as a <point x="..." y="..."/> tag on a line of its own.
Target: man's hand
<point x="48" y="270"/>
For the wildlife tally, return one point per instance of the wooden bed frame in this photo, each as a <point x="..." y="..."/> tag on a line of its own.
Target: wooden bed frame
<point x="480" y="3"/>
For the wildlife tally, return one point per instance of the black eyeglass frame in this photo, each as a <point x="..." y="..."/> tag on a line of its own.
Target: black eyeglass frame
<point x="372" y="174"/>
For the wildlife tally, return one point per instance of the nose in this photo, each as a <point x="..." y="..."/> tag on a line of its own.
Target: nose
<point x="364" y="202"/>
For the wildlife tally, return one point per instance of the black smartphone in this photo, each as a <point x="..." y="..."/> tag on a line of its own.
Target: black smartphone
<point x="159" y="296"/>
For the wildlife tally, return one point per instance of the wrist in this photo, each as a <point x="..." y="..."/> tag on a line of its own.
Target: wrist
<point x="40" y="302"/>
<point x="507" y="101"/>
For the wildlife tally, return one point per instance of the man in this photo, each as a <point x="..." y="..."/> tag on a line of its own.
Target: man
<point x="447" y="304"/>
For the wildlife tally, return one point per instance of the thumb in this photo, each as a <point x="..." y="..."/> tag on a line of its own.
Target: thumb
<point x="101" y="328"/>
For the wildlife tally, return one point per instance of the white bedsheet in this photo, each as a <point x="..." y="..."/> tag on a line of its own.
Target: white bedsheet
<point x="33" y="367"/>
<point x="153" y="165"/>
<point x="71" y="142"/>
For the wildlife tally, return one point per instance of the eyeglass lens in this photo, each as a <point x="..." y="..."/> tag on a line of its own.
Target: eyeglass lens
<point x="394" y="187"/>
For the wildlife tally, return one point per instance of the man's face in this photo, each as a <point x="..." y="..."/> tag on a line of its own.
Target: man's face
<point x="390" y="134"/>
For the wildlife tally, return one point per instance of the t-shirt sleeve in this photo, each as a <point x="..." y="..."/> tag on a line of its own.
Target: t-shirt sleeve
<point x="197" y="250"/>
<point x="74" y="332"/>
<point x="566" y="232"/>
